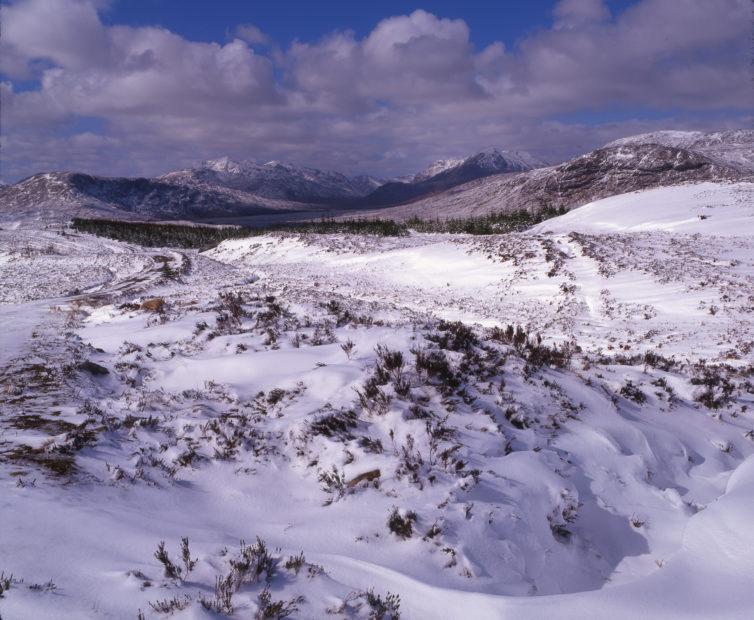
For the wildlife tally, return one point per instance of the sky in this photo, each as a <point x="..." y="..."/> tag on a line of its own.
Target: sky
<point x="141" y="87"/>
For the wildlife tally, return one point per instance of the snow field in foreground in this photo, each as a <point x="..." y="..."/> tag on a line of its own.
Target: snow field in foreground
<point x="304" y="390"/>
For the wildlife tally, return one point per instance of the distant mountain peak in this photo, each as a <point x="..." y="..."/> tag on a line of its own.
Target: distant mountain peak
<point x="495" y="179"/>
<point x="222" y="164"/>
<point x="446" y="173"/>
<point x="436" y="167"/>
<point x="495" y="159"/>
<point x="490" y="160"/>
<point x="277" y="180"/>
<point x="286" y="165"/>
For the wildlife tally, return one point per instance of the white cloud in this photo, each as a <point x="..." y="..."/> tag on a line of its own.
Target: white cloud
<point x="412" y="89"/>
<point x="574" y="13"/>
<point x="252" y="35"/>
<point x="67" y="33"/>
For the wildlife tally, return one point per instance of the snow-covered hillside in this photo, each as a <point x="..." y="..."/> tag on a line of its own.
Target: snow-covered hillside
<point x="490" y="161"/>
<point x="436" y="167"/>
<point x="276" y="180"/>
<point x="491" y="181"/>
<point x="445" y="174"/>
<point x="707" y="208"/>
<point x="731" y="148"/>
<point x="55" y="198"/>
<point x="605" y="172"/>
<point x="496" y="160"/>
<point x="307" y="411"/>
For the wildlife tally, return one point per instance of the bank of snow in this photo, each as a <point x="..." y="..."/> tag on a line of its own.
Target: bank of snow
<point x="706" y="208"/>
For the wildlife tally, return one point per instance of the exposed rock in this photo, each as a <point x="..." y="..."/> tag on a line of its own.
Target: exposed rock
<point x="373" y="474"/>
<point x="93" y="368"/>
<point x="156" y="304"/>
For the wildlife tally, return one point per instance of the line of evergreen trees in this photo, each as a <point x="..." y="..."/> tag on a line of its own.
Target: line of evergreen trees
<point x="492" y="224"/>
<point x="153" y="234"/>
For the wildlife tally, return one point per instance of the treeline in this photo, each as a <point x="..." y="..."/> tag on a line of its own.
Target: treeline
<point x="492" y="224"/>
<point x="154" y="234"/>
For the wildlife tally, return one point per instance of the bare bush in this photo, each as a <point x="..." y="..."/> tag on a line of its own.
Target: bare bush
<point x="338" y="424"/>
<point x="171" y="571"/>
<point x="275" y="610"/>
<point x="188" y="563"/>
<point x="333" y="483"/>
<point x="715" y="389"/>
<point x="348" y="348"/>
<point x="370" y="605"/>
<point x="401" y="523"/>
<point x="253" y="562"/>
<point x="454" y="336"/>
<point x="436" y="366"/>
<point x="632" y="392"/>
<point x="223" y="601"/>
<point x="171" y="605"/>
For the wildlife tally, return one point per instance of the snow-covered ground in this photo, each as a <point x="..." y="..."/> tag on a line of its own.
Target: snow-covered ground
<point x="315" y="393"/>
<point x="725" y="209"/>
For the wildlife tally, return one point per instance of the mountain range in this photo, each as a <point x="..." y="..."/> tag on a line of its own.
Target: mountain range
<point x="730" y="148"/>
<point x="490" y="181"/>
<point x="604" y="172"/>
<point x="276" y="180"/>
<point x="444" y="174"/>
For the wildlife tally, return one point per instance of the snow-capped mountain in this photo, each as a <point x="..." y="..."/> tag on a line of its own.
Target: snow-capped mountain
<point x="225" y="187"/>
<point x="365" y="184"/>
<point x="447" y="173"/>
<point x="435" y="168"/>
<point x="217" y="188"/>
<point x="489" y="181"/>
<point x="491" y="160"/>
<point x="732" y="148"/>
<point x="276" y="180"/>
<point x="62" y="195"/>
<point x="605" y="172"/>
<point x="495" y="160"/>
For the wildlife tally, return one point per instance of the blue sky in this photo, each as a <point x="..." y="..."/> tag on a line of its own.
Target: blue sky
<point x="501" y="20"/>
<point x="140" y="87"/>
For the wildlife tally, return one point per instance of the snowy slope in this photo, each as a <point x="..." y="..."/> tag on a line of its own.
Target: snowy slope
<point x="446" y="174"/>
<point x="605" y="172"/>
<point x="436" y="167"/>
<point x="496" y="160"/>
<point x="490" y="161"/>
<point x="518" y="483"/>
<point x="732" y="148"/>
<point x="54" y="198"/>
<point x="706" y="208"/>
<point x="218" y="188"/>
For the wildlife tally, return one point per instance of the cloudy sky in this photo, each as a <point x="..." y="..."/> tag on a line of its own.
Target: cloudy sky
<point x="140" y="87"/>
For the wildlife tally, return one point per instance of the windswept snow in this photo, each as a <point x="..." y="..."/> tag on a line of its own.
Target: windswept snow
<point x="313" y="391"/>
<point x="705" y="208"/>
